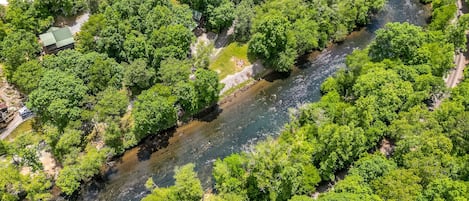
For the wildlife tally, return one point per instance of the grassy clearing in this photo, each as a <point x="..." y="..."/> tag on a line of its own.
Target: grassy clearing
<point x="231" y="59"/>
<point x="25" y="127"/>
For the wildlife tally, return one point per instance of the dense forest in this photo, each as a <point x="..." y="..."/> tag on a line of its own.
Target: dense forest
<point x="383" y="95"/>
<point x="103" y="97"/>
<point x="132" y="75"/>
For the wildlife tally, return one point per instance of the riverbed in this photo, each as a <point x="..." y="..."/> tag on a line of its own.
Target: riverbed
<point x="257" y="113"/>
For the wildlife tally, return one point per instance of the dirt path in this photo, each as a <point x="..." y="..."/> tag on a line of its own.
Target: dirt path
<point x="457" y="73"/>
<point x="74" y="22"/>
<point x="11" y="126"/>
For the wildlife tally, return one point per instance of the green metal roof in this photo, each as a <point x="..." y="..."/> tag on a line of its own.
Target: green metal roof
<point x="52" y="29"/>
<point x="58" y="36"/>
<point x="65" y="42"/>
<point x="47" y="39"/>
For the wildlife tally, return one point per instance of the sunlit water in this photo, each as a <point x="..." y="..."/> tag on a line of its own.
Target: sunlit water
<point x="254" y="115"/>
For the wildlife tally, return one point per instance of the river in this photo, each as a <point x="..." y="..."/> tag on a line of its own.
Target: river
<point x="253" y="115"/>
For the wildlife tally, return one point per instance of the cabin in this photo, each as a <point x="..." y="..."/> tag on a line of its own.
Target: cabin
<point x="57" y="39"/>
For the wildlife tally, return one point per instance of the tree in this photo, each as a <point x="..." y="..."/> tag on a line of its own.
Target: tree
<point x="385" y="89"/>
<point x="187" y="184"/>
<point x="86" y="40"/>
<point x="207" y="87"/>
<point x="88" y="165"/>
<point x="37" y="187"/>
<point x="17" y="48"/>
<point x="69" y="179"/>
<point x="371" y="167"/>
<point x="154" y="111"/>
<point x="201" y="59"/>
<point x="10" y="182"/>
<point x="187" y="187"/>
<point x="439" y="56"/>
<point x="353" y="184"/>
<point x="113" y="136"/>
<point x="25" y="151"/>
<point x="58" y="98"/>
<point x="272" y="171"/>
<point x="336" y="147"/>
<point x="187" y="97"/>
<point x="170" y="41"/>
<point x="399" y="184"/>
<point x="103" y="73"/>
<point x="173" y="71"/>
<point x="456" y="33"/>
<point x="306" y="35"/>
<point x="91" y="162"/>
<point x="28" y="76"/>
<point x="230" y="174"/>
<point x="135" y="46"/>
<point x="138" y="76"/>
<point x="111" y="103"/>
<point x="397" y="41"/>
<point x="348" y="197"/>
<point x="271" y="40"/>
<point x="446" y="189"/>
<point x="244" y="13"/>
<point x="442" y="16"/>
<point x="25" y="15"/>
<point x="69" y="142"/>
<point x="220" y="15"/>
<point x="61" y="7"/>
<point x="97" y="71"/>
<point x="301" y="198"/>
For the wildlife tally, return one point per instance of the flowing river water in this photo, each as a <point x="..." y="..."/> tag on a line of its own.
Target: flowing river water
<point x="253" y="115"/>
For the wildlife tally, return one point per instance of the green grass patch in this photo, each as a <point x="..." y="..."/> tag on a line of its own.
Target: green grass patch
<point x="25" y="127"/>
<point x="233" y="58"/>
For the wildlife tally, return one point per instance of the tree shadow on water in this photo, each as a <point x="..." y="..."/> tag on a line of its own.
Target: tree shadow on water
<point x="209" y="114"/>
<point x="154" y="143"/>
<point x="271" y="77"/>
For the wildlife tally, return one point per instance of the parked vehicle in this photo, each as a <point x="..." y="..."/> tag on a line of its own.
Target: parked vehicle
<point x="25" y="112"/>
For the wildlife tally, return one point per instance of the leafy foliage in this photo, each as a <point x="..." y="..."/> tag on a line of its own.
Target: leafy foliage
<point x="17" y="48"/>
<point x="187" y="187"/>
<point x="154" y="110"/>
<point x="58" y="98"/>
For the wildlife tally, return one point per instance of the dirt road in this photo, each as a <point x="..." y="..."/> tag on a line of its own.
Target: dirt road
<point x="456" y="74"/>
<point x="11" y="126"/>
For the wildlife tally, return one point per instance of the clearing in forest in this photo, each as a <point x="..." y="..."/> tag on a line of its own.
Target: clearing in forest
<point x="232" y="59"/>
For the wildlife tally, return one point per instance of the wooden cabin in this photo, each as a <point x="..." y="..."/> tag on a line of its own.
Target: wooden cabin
<point x="56" y="39"/>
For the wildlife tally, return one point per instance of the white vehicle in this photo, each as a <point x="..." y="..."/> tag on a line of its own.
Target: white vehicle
<point x="25" y="112"/>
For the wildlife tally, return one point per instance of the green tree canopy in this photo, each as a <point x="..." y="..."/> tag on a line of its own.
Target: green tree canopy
<point x="17" y="48"/>
<point x="154" y="111"/>
<point x="58" y="98"/>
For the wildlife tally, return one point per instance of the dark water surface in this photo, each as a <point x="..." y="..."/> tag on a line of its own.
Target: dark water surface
<point x="254" y="115"/>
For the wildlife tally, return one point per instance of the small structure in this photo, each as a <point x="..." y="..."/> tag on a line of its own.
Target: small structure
<point x="56" y="39"/>
<point x="5" y="115"/>
<point x="197" y="27"/>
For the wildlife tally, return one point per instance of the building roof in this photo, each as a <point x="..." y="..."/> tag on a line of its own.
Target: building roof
<point x="58" y="36"/>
